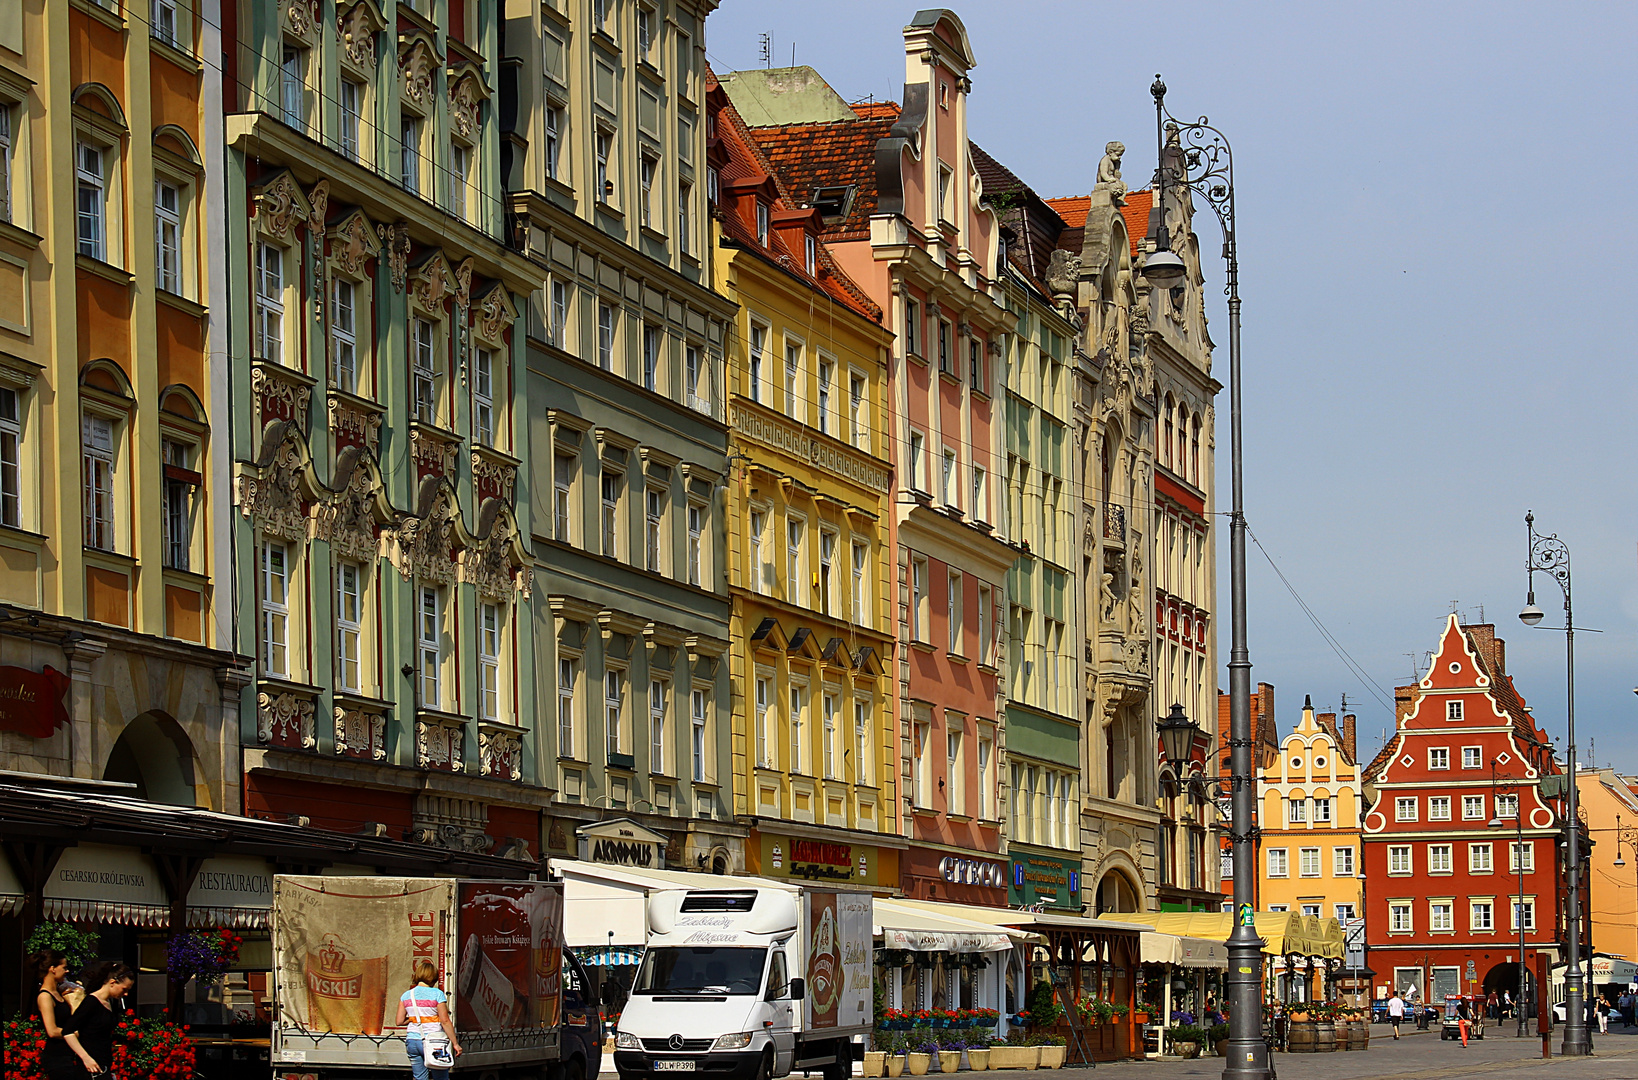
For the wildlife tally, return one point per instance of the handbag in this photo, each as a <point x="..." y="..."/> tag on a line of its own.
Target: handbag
<point x="436" y="1052"/>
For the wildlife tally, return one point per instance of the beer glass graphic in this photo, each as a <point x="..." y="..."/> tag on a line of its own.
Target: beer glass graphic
<point x="348" y="993"/>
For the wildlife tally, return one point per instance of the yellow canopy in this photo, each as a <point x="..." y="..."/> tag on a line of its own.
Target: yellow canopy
<point x="1282" y="931"/>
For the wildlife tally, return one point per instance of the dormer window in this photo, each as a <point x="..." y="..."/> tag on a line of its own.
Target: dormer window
<point x="811" y="247"/>
<point x="833" y="203"/>
<point x="762" y="223"/>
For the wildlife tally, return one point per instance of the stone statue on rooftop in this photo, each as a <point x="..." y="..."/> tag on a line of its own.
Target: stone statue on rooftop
<point x="1109" y="179"/>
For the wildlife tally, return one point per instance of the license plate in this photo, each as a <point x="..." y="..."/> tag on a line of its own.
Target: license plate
<point x="675" y="1066"/>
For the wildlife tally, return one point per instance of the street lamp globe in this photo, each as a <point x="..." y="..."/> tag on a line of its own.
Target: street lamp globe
<point x="1177" y="733"/>
<point x="1164" y="269"/>
<point x="1494" y="823"/>
<point x="1531" y="615"/>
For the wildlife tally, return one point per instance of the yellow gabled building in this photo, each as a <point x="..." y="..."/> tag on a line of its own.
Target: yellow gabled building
<point x="808" y="502"/>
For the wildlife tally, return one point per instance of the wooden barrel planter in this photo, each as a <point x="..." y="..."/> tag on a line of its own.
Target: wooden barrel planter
<point x="1325" y="1036"/>
<point x="1359" y="1035"/>
<point x="1299" y="1037"/>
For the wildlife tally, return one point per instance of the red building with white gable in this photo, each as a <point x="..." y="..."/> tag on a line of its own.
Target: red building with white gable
<point x="1458" y="816"/>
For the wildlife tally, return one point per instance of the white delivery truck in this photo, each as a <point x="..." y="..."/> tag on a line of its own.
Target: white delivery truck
<point x="749" y="984"/>
<point x="345" y="948"/>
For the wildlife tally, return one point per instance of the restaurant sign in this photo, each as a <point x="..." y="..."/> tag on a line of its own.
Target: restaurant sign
<point x="1045" y="879"/>
<point x="231" y="890"/>
<point x="820" y="861"/>
<point x="96" y="883"/>
<point x="622" y="842"/>
<point x="31" y="702"/>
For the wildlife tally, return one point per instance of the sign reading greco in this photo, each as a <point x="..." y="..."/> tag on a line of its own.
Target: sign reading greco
<point x="622" y="842"/>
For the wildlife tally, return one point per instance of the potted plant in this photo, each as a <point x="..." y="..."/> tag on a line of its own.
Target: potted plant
<point x="1185" y="1040"/>
<point x="1217" y="1036"/>
<point x="1013" y="1053"/>
<point x="920" y="1056"/>
<point x="950" y="1046"/>
<point x="153" y="1049"/>
<point x="894" y="1044"/>
<point x="978" y="1052"/>
<point x="1044" y="1010"/>
<point x="1052" y="1049"/>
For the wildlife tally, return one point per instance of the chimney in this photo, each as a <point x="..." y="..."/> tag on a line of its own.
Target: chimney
<point x="1348" y="747"/>
<point x="1327" y="722"/>
<point x="1491" y="649"/>
<point x="1404" y="699"/>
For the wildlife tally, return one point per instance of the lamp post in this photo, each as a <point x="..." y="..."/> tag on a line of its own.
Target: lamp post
<point x="1205" y="164"/>
<point x="1624" y="834"/>
<point x="1496" y="822"/>
<point x="1550" y="555"/>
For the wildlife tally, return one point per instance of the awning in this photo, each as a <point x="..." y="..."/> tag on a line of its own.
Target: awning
<point x="1158" y="948"/>
<point x="916" y="929"/>
<point x="11" y="889"/>
<point x="96" y="883"/>
<point x="1283" y="932"/>
<point x="231" y="890"/>
<point x="1603" y="970"/>
<point x="608" y="956"/>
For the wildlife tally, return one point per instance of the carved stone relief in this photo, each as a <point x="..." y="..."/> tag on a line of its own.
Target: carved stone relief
<point x="396" y="239"/>
<point x="439" y="745"/>
<point x="495" y="474"/>
<point x="352" y="245"/>
<point x="273" y="499"/>
<point x="280" y="207"/>
<point x="421" y="545"/>
<point x="361" y="734"/>
<point x="360" y="427"/>
<point x="464" y="100"/>
<point x="500" y="753"/>
<point x="301" y="18"/>
<point x="285" y="720"/>
<point x="348" y="519"/>
<point x="357" y="27"/>
<point x="418" y="64"/>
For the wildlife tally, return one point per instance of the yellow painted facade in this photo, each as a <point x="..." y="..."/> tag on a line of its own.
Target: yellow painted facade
<point x="1310" y="800"/>
<point x="1610" y="803"/>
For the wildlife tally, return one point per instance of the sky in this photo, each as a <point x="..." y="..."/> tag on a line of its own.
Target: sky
<point x="1438" y="286"/>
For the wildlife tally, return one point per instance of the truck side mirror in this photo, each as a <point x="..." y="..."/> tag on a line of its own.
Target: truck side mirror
<point x="799" y="989"/>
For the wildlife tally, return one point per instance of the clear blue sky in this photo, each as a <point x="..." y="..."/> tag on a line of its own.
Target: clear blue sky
<point x="1438" y="267"/>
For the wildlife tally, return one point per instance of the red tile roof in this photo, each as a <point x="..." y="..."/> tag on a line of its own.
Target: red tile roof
<point x="876" y="110"/>
<point x="813" y="156"/>
<point x="1073" y="209"/>
<point x="1136" y="212"/>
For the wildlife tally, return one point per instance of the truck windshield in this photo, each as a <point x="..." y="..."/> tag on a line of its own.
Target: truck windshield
<point x="709" y="970"/>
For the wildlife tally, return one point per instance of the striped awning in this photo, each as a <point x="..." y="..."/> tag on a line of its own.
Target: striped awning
<point x="114" y="912"/>
<point x="232" y="917"/>
<point x="610" y="956"/>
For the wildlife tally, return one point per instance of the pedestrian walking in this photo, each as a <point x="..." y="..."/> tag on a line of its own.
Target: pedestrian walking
<point x="1603" y="1013"/>
<point x="1396" y="1012"/>
<point x="90" y="1031"/>
<point x="1492" y="1006"/>
<point x="1624" y="1003"/>
<point x="1464" y="1019"/>
<point x="50" y="973"/>
<point x="429" y="1038"/>
<point x="1507" y="1004"/>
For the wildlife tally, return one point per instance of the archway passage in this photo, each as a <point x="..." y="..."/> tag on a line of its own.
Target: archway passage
<point x="154" y="754"/>
<point x="1116" y="894"/>
<point x="1504" y="980"/>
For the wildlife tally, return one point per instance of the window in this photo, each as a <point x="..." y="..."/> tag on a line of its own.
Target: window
<point x="1439" y="858"/>
<point x="163" y="24"/>
<point x="483" y="397"/>
<point x="948" y="490"/>
<point x="764" y="703"/>
<point x="168" y="236"/>
<point x="600" y="14"/>
<point x="613" y="711"/>
<point x="293" y="87"/>
<point x="986" y="636"/>
<point x="6" y="148"/>
<point x="758" y="569"/>
<point x="560" y="314"/>
<point x="604" y="190"/>
<point x="696" y="530"/>
<point x="1308" y="862"/>
<point x="1478" y="859"/>
<point x="953" y="610"/>
<point x="1522" y="857"/>
<point x="567" y="673"/>
<point x="858" y="417"/>
<point x="651" y="357"/>
<point x="654" y="520"/>
<point x="349" y="621"/>
<point x="426" y="372"/>
<point x="275" y="610"/>
<point x="1312" y="910"/>
<point x="864" y="762"/>
<point x="489" y="653"/>
<point x="1277" y="863"/>
<point x="1439" y="757"/>
<point x="1399" y="859"/>
<point x="1296" y="811"/>
<point x="943" y="345"/>
<point x="656" y="726"/>
<point x="696" y="743"/>
<point x="1528" y="910"/>
<point x="460" y="168"/>
<point x="918" y="448"/>
<point x="344" y="335"/>
<point x="827" y="568"/>
<point x="827" y="712"/>
<point x="794" y="531"/>
<point x="986" y="778"/>
<point x="429" y="645"/>
<point x="611" y="513"/>
<point x="645" y="174"/>
<point x="1342" y="862"/>
<point x="920" y="779"/>
<point x="762" y="224"/>
<point x="1453" y="710"/>
<point x="97" y="441"/>
<point x="11" y="437"/>
<point x="645" y="31"/>
<point x="1472" y="807"/>
<point x="918" y="599"/>
<point x="810" y="248"/>
<point x="975" y="363"/>
<point x="861" y="583"/>
<point x="563" y="495"/>
<point x="1438" y="807"/>
<point x="1404" y="809"/>
<point x="605" y="336"/>
<point x="1399" y="918"/>
<point x="349" y="109"/>
<point x="270" y="303"/>
<point x="554" y="128"/>
<point x="91" y="201"/>
<point x="827" y="375"/>
<point x="1344" y="913"/>
<point x="1439" y="916"/>
<point x="685" y="207"/>
<point x="1481" y="915"/>
<point x="409" y="154"/>
<point x="177" y="522"/>
<point x="799" y="700"/>
<point x="691" y="378"/>
<point x="1472" y="757"/>
<point x="946" y="181"/>
<point x="980" y="505"/>
<point x="1507" y="806"/>
<point x="1322" y="809"/>
<point x="912" y="328"/>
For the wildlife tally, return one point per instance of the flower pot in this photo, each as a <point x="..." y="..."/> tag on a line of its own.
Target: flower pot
<point x="1186" y="1049"/>
<point x="978" y="1060"/>
<point x="1014" y="1057"/>
<point x="919" y="1063"/>
<point x="949" y="1060"/>
<point x="895" y="1064"/>
<point x="1141" y="1017"/>
<point x="875" y="1061"/>
<point x="1052" y="1057"/>
<point x="1220" y="1048"/>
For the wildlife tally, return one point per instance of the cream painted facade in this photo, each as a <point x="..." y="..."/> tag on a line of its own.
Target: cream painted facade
<point x="1310" y="801"/>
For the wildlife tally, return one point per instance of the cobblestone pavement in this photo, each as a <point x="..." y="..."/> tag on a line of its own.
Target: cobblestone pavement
<point x="1416" y="1056"/>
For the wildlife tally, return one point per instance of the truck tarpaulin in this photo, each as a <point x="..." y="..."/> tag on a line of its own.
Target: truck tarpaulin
<point x="511" y="959"/>
<point x="839" y="988"/>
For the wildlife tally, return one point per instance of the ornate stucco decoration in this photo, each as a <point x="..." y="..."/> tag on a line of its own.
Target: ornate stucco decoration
<point x="423" y="545"/>
<point x="357" y="27"/>
<point x="432" y="283"/>
<point x="273" y="493"/>
<point x="500" y="474"/>
<point x="495" y="314"/>
<point x="350" y="519"/>
<point x="396" y="239"/>
<point x="498" y="565"/>
<point x="440" y="744"/>
<point x="465" y="98"/>
<point x="433" y="452"/>
<point x="361" y="426"/>
<point x="285" y="719"/>
<point x="301" y="18"/>
<point x="360" y="732"/>
<point x="418" y="61"/>
<point x="500" y="752"/>
<point x="353" y="243"/>
<point x="280" y="207"/>
<point x="318" y="205"/>
<point x="463" y="303"/>
<point x="267" y="383"/>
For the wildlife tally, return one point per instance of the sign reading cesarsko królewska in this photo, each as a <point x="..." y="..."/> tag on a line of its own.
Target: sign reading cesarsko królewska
<point x="1048" y="879"/>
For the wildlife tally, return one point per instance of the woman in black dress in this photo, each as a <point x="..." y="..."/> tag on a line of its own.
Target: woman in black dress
<point x="90" y="1032"/>
<point x="50" y="970"/>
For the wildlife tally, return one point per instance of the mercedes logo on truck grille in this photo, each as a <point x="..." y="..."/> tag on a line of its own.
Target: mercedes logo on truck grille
<point x="675" y="1042"/>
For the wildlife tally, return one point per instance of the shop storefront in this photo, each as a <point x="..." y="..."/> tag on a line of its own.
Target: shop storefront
<point x="822" y="860"/>
<point x="1043" y="879"/>
<point x="957" y="877"/>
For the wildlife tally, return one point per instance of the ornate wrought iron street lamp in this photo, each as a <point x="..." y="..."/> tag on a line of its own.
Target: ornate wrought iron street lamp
<point x="1203" y="162"/>
<point x="1550" y="555"/>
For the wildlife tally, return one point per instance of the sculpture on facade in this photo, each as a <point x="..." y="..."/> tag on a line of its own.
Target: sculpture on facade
<point x="1109" y="181"/>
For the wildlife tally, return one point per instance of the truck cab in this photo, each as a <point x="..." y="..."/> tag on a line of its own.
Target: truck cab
<point x="582" y="1045"/>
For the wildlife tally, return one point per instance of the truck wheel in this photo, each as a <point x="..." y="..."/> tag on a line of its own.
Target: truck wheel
<point x="575" y="1069"/>
<point x="764" y="1070"/>
<point x="843" y="1068"/>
